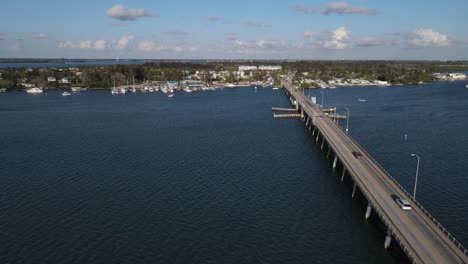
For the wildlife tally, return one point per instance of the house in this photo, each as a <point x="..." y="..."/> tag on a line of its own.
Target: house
<point x="247" y="68"/>
<point x="270" y="67"/>
<point x="51" y="79"/>
<point x="64" y="81"/>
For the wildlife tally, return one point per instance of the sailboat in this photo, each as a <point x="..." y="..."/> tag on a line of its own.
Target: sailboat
<point x="114" y="90"/>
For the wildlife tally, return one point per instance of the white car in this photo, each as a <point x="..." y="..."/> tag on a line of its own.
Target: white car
<point x="405" y="205"/>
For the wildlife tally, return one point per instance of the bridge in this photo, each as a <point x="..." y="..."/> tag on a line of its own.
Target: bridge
<point x="418" y="233"/>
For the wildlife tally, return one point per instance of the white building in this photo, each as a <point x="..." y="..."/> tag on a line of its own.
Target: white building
<point x="51" y="79"/>
<point x="64" y="80"/>
<point x="247" y="68"/>
<point x="270" y="67"/>
<point x="457" y="76"/>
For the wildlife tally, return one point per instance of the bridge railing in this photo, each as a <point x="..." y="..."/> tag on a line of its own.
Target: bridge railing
<point x="433" y="219"/>
<point x="437" y="223"/>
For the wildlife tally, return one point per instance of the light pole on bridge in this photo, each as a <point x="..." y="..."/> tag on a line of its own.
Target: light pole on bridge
<point x="347" y="120"/>
<point x="417" y="172"/>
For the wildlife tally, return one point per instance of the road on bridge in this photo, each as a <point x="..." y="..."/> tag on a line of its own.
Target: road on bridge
<point x="414" y="230"/>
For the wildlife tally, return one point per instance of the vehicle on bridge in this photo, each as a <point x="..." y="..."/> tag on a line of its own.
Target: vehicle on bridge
<point x="356" y="154"/>
<point x="404" y="204"/>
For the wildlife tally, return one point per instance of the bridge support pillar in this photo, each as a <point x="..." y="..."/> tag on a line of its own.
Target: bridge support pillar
<point x="307" y="121"/>
<point x="343" y="174"/>
<point x="313" y="131"/>
<point x="388" y="239"/>
<point x="368" y="210"/>
<point x="310" y="126"/>
<point x="323" y="141"/>
<point x="335" y="161"/>
<point x="354" y="190"/>
<point x="328" y="153"/>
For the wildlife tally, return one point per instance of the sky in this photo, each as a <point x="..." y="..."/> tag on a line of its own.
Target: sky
<point x="241" y="29"/>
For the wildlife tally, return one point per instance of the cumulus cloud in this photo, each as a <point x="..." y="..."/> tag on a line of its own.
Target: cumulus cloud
<point x="123" y="41"/>
<point x="257" y="25"/>
<point x="334" y="8"/>
<point x="425" y="37"/>
<point x="122" y="13"/>
<point x="147" y="45"/>
<point x="304" y="9"/>
<point x="344" y="8"/>
<point x="39" y="36"/>
<point x="374" y="42"/>
<point x="338" y="39"/>
<point x="84" y="45"/>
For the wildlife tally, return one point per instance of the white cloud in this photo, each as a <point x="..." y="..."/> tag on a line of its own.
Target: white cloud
<point x="84" y="45"/>
<point x="122" y="13"/>
<point x="123" y="41"/>
<point x="147" y="45"/>
<point x="39" y="36"/>
<point x="304" y="9"/>
<point x="344" y="8"/>
<point x="425" y="37"/>
<point x="338" y="39"/>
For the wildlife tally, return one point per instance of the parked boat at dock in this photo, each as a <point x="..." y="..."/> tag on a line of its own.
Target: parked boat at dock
<point x="35" y="90"/>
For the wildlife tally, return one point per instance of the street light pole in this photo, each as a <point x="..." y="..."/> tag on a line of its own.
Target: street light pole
<point x="347" y="120"/>
<point x="417" y="172"/>
<point x="323" y="92"/>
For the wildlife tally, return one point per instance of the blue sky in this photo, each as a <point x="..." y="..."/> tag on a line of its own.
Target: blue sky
<point x="241" y="29"/>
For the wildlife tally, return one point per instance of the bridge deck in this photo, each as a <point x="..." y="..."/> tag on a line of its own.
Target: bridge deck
<point x="420" y="236"/>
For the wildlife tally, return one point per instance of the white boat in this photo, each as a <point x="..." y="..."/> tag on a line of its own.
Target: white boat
<point x="66" y="94"/>
<point x="361" y="100"/>
<point x="35" y="90"/>
<point x="123" y="90"/>
<point x="115" y="91"/>
<point x="187" y="90"/>
<point x="171" y="94"/>
<point x="76" y="89"/>
<point x="275" y="88"/>
<point x="466" y="86"/>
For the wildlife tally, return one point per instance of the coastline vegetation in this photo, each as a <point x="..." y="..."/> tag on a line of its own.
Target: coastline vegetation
<point x="393" y="72"/>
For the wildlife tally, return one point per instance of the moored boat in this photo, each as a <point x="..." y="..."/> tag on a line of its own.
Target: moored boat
<point x="66" y="94"/>
<point x="35" y="90"/>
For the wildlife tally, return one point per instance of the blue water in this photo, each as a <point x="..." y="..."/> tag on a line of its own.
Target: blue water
<point x="212" y="177"/>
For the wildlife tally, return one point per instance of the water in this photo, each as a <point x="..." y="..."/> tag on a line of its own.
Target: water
<point x="212" y="177"/>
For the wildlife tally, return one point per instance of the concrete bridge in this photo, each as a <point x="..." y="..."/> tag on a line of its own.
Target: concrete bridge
<point x="420" y="235"/>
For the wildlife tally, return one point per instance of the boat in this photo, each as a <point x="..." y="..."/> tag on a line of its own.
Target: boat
<point x="466" y="86"/>
<point x="275" y="88"/>
<point x="171" y="94"/>
<point x="3" y="90"/>
<point x="115" y="91"/>
<point x="187" y="90"/>
<point x="83" y="89"/>
<point x="76" y="89"/>
<point x="361" y="100"/>
<point x="66" y="94"/>
<point x="35" y="90"/>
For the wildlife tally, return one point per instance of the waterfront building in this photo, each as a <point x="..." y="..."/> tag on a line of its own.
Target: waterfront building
<point x="270" y="67"/>
<point x="247" y="68"/>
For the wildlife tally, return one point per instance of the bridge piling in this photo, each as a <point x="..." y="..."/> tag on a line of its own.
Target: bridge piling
<point x="343" y="174"/>
<point x="316" y="140"/>
<point x="335" y="161"/>
<point x="368" y="210"/>
<point x="323" y="141"/>
<point x="354" y="190"/>
<point x="328" y="153"/>
<point x="388" y="239"/>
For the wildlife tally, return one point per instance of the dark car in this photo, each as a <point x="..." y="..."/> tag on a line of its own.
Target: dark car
<point x="356" y="154"/>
